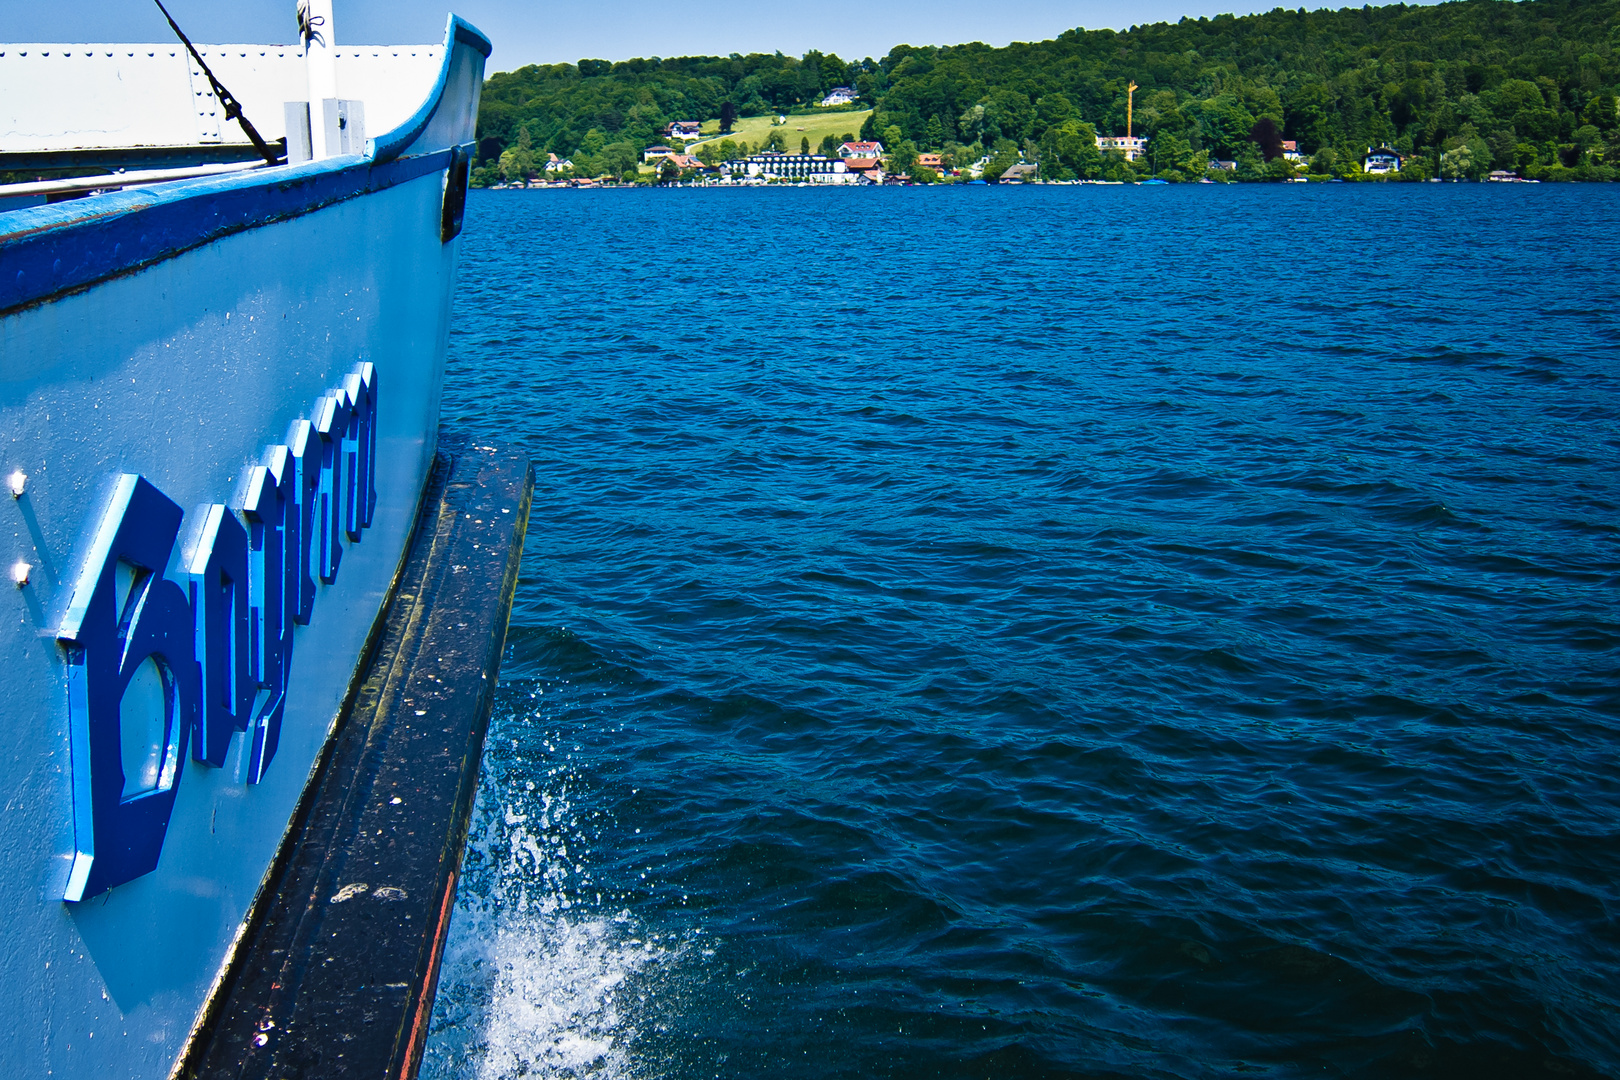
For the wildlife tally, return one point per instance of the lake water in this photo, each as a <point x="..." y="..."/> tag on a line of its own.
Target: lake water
<point x="1038" y="632"/>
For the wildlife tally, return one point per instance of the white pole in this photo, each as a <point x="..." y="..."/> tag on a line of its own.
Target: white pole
<point x="315" y="24"/>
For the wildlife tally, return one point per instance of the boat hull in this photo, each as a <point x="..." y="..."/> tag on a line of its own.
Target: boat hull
<point x="177" y="334"/>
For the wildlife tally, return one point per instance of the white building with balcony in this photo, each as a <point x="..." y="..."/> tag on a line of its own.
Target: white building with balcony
<point x="1132" y="146"/>
<point x="812" y="168"/>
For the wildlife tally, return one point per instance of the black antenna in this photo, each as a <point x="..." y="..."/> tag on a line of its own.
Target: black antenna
<point x="233" y="108"/>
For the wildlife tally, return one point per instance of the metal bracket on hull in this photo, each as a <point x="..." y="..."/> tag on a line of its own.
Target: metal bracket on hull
<point x="455" y="192"/>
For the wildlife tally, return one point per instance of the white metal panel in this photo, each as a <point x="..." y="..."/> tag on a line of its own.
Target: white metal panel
<point x="71" y="97"/>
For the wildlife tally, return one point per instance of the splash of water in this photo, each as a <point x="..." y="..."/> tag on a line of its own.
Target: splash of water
<point x="534" y="966"/>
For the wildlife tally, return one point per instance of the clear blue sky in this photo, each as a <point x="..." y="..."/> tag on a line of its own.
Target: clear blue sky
<point x="549" y="31"/>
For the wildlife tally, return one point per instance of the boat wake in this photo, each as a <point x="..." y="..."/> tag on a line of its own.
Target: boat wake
<point x="532" y="995"/>
<point x="535" y="965"/>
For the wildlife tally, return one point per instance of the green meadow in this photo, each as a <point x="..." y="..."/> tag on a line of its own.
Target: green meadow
<point x="754" y="130"/>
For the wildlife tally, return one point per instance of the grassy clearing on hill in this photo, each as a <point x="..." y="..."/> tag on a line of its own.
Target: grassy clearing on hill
<point x="756" y="129"/>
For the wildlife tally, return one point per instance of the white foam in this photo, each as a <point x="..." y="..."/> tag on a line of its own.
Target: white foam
<point x="533" y="967"/>
<point x="533" y="995"/>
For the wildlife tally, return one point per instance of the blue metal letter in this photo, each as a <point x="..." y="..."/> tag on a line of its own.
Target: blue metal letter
<point x="272" y="515"/>
<point x="215" y="561"/>
<point x="331" y="421"/>
<point x="117" y="838"/>
<point x="304" y="453"/>
<point x="361" y="386"/>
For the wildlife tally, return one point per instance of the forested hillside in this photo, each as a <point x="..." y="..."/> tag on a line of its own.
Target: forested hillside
<point x="633" y="100"/>
<point x="1525" y="86"/>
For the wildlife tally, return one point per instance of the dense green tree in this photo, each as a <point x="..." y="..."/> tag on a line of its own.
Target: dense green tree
<point x="1009" y="115"/>
<point x="1170" y="151"/>
<point x="1251" y="162"/>
<point x="1070" y="151"/>
<point x="638" y="98"/>
<point x="620" y="159"/>
<point x="1525" y="86"/>
<point x="518" y="162"/>
<point x="902" y="156"/>
<point x="1115" y="167"/>
<point x="1467" y="159"/>
<point x="971" y="123"/>
<point x="1054" y="110"/>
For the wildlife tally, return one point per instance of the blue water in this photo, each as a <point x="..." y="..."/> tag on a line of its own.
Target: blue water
<point x="1048" y="632"/>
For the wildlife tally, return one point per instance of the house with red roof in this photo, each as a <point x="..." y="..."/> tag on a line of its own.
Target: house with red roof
<point x="860" y="150"/>
<point x="868" y="168"/>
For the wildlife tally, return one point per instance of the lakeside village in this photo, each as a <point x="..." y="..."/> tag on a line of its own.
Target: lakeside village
<point x="688" y="156"/>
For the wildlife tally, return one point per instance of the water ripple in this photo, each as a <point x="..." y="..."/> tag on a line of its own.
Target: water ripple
<point x="1048" y="632"/>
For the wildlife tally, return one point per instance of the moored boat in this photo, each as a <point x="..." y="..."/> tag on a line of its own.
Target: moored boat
<point x="220" y="373"/>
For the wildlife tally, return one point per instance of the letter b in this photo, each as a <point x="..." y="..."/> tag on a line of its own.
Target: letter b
<point x="123" y="616"/>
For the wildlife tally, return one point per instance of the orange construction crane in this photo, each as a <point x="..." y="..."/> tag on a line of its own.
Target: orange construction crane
<point x="1130" y="93"/>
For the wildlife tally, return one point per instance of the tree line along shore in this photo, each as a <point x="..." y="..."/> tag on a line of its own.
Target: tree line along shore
<point x="1458" y="90"/>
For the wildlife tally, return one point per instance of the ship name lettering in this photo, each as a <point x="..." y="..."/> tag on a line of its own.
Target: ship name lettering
<point x="213" y="648"/>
